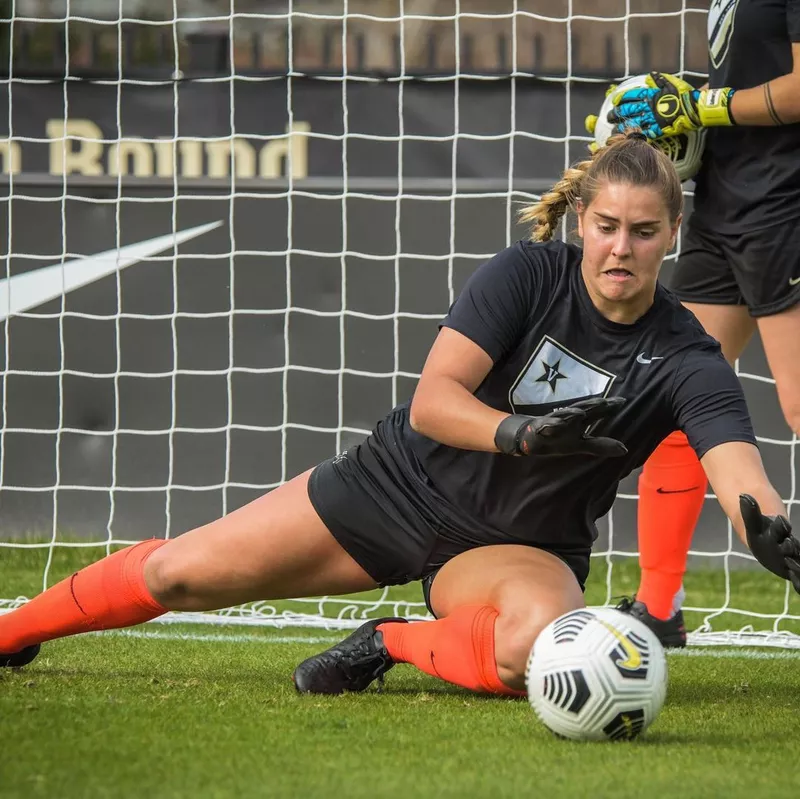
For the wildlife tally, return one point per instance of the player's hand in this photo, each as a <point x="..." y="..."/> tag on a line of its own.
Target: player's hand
<point x="771" y="541"/>
<point x="590" y="123"/>
<point x="562" y="432"/>
<point x="669" y="106"/>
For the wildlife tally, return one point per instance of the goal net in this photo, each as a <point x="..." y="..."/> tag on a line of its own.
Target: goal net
<point x="230" y="228"/>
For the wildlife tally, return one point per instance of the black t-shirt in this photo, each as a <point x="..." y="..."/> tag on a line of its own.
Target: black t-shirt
<point x="750" y="177"/>
<point x="529" y="309"/>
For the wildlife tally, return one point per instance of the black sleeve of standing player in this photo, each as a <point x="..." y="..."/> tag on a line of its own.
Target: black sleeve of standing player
<point x="708" y="402"/>
<point x="793" y="20"/>
<point x="496" y="302"/>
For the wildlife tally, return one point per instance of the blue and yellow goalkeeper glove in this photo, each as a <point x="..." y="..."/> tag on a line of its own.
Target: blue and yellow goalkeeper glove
<point x="670" y="106"/>
<point x="591" y="122"/>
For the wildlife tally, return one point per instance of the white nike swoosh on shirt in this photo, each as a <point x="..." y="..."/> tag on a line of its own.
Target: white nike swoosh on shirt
<point x="793" y="281"/>
<point x="22" y="292"/>
<point x="641" y="359"/>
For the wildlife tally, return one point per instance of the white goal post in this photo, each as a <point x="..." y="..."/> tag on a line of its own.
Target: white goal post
<point x="230" y="228"/>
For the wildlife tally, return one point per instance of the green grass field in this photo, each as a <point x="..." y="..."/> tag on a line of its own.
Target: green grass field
<point x="201" y="711"/>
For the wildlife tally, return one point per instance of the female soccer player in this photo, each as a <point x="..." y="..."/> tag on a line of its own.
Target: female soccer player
<point x="556" y="372"/>
<point x="739" y="266"/>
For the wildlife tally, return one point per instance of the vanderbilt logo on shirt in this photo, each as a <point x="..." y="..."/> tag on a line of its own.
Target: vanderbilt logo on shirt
<point x="721" y="17"/>
<point x="554" y="377"/>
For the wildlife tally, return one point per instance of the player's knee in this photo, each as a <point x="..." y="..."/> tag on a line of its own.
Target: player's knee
<point x="166" y="580"/>
<point x="515" y="632"/>
<point x="791" y="412"/>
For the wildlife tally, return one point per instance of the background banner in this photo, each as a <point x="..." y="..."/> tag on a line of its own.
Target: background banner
<point x="337" y="124"/>
<point x="228" y="327"/>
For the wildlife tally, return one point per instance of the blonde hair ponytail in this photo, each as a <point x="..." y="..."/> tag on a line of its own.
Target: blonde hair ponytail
<point x="544" y="216"/>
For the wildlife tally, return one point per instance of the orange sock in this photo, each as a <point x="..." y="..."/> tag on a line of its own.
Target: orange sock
<point x="107" y="594"/>
<point x="672" y="489"/>
<point x="458" y="648"/>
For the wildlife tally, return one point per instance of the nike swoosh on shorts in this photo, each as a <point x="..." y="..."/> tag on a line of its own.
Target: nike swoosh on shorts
<point x="19" y="293"/>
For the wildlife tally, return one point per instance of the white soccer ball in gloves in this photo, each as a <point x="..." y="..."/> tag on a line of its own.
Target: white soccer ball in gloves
<point x="597" y="674"/>
<point x="685" y="150"/>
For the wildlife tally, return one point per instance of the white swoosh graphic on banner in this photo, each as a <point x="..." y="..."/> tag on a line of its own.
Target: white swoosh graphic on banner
<point x="22" y="292"/>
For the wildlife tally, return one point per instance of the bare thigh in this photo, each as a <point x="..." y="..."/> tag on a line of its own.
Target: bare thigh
<point x="527" y="586"/>
<point x="731" y="325"/>
<point x="275" y="547"/>
<point x="780" y="334"/>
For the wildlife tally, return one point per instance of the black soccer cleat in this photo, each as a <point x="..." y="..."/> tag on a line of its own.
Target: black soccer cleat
<point x="350" y="665"/>
<point x="18" y="659"/>
<point x="671" y="633"/>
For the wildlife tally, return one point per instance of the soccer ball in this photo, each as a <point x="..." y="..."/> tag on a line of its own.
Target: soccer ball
<point x="684" y="150"/>
<point x="597" y="674"/>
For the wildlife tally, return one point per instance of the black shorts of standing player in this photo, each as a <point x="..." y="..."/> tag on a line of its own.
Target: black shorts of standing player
<point x="759" y="269"/>
<point x="399" y="532"/>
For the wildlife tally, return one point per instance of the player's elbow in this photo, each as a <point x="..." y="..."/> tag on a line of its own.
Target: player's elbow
<point x="418" y="414"/>
<point x="425" y="407"/>
<point x="791" y="412"/>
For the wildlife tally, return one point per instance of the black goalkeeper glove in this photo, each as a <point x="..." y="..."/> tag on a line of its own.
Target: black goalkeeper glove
<point x="771" y="541"/>
<point x="562" y="432"/>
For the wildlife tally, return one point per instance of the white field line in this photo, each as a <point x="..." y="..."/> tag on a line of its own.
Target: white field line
<point x="241" y="638"/>
<point x="747" y="654"/>
<point x="237" y="638"/>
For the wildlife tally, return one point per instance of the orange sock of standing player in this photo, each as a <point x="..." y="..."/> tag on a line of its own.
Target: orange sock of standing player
<point x="107" y="594"/>
<point x="458" y="648"/>
<point x="672" y="488"/>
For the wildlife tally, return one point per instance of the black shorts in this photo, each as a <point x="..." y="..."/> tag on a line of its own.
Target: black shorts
<point x="396" y="530"/>
<point x="393" y="539"/>
<point x="759" y="269"/>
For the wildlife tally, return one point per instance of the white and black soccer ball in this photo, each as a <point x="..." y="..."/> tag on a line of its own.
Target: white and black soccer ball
<point x="684" y="150"/>
<point x="597" y="674"/>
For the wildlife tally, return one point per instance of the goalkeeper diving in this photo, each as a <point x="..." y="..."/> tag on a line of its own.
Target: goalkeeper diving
<point x="557" y="371"/>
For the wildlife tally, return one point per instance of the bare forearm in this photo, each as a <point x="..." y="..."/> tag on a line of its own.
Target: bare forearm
<point x="767" y="497"/>
<point x="774" y="103"/>
<point x="446" y="411"/>
<point x="735" y="468"/>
